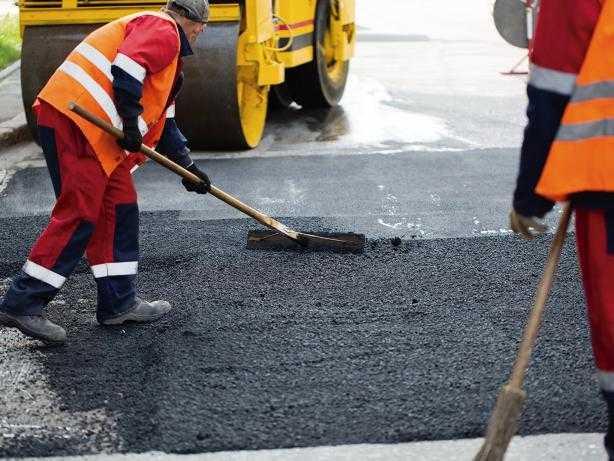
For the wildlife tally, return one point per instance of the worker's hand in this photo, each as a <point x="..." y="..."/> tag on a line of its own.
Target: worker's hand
<point x="201" y="188"/>
<point x="132" y="136"/>
<point x="527" y="226"/>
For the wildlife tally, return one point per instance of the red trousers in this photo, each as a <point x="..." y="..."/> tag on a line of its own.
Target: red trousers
<point x="595" y="241"/>
<point x="94" y="214"/>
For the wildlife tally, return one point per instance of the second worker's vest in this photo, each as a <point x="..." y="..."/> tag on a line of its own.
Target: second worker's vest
<point x="581" y="158"/>
<point x="85" y="78"/>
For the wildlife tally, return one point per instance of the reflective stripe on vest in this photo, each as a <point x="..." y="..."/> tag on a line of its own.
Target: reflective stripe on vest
<point x="581" y="158"/>
<point x="85" y="78"/>
<point x="104" y="65"/>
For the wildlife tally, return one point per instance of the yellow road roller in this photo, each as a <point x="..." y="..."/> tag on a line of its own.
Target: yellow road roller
<point x="252" y="51"/>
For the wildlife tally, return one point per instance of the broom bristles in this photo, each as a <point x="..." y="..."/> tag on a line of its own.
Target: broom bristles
<point x="503" y="424"/>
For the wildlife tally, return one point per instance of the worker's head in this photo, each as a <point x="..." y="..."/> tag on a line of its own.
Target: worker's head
<point x="191" y="15"/>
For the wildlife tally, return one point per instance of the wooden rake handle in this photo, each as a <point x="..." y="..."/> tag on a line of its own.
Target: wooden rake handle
<point x="178" y="169"/>
<point x="535" y="319"/>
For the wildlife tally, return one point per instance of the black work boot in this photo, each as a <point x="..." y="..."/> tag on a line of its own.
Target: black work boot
<point x="35" y="326"/>
<point x="140" y="312"/>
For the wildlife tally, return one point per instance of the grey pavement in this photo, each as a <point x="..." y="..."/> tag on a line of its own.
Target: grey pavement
<point x="12" y="117"/>
<point x="406" y="194"/>
<point x="13" y="128"/>
<point x="559" y="447"/>
<point x="10" y="92"/>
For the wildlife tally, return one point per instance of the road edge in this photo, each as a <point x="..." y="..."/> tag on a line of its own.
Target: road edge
<point x="545" y="447"/>
<point x="15" y="130"/>
<point x="10" y="69"/>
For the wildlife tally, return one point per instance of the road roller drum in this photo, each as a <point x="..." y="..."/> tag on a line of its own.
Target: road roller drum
<point x="43" y="49"/>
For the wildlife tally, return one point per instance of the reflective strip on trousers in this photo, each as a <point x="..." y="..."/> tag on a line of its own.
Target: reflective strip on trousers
<point x="43" y="274"/>
<point x="582" y="131"/>
<point x="606" y="380"/>
<point x="115" y="269"/>
<point x="551" y="80"/>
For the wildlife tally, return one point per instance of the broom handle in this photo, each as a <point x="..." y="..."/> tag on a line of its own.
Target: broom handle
<point x="174" y="167"/>
<point x="535" y="318"/>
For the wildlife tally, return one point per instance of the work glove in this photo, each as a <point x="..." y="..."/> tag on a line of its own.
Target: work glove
<point x="132" y="136"/>
<point x="201" y="188"/>
<point x="527" y="226"/>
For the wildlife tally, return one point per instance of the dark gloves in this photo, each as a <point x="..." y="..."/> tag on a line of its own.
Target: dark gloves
<point x="202" y="187"/>
<point x="132" y="136"/>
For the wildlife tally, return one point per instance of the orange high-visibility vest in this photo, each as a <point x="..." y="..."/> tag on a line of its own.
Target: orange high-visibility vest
<point x="581" y="158"/>
<point x="85" y="78"/>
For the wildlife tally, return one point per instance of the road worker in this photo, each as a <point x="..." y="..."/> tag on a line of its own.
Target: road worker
<point x="127" y="72"/>
<point x="567" y="155"/>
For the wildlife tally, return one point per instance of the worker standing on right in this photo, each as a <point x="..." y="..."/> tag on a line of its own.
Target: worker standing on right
<point x="568" y="155"/>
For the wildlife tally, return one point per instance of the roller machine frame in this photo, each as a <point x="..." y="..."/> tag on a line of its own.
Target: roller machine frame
<point x="252" y="51"/>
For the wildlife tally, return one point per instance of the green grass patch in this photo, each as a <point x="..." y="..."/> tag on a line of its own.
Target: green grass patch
<point x="10" y="41"/>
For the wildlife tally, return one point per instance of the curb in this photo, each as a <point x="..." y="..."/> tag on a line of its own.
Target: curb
<point x="14" y="131"/>
<point x="562" y="447"/>
<point x="10" y="69"/>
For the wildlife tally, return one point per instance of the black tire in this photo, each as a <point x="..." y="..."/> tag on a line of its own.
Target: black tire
<point x="310" y="84"/>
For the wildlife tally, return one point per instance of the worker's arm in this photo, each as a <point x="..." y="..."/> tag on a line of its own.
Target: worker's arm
<point x="544" y="113"/>
<point x="564" y="31"/>
<point x="150" y="45"/>
<point x="172" y="142"/>
<point x="174" y="146"/>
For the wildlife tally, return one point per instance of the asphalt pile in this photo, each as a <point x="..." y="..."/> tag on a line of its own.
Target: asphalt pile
<point x="266" y="349"/>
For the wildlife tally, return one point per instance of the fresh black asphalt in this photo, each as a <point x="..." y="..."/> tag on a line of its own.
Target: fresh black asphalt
<point x="408" y="341"/>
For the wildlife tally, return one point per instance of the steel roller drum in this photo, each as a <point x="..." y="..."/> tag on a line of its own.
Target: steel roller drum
<point x="511" y="21"/>
<point x="208" y="111"/>
<point x="44" y="48"/>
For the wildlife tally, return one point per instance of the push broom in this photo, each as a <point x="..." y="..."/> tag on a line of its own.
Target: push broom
<point x="508" y="408"/>
<point x="281" y="236"/>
